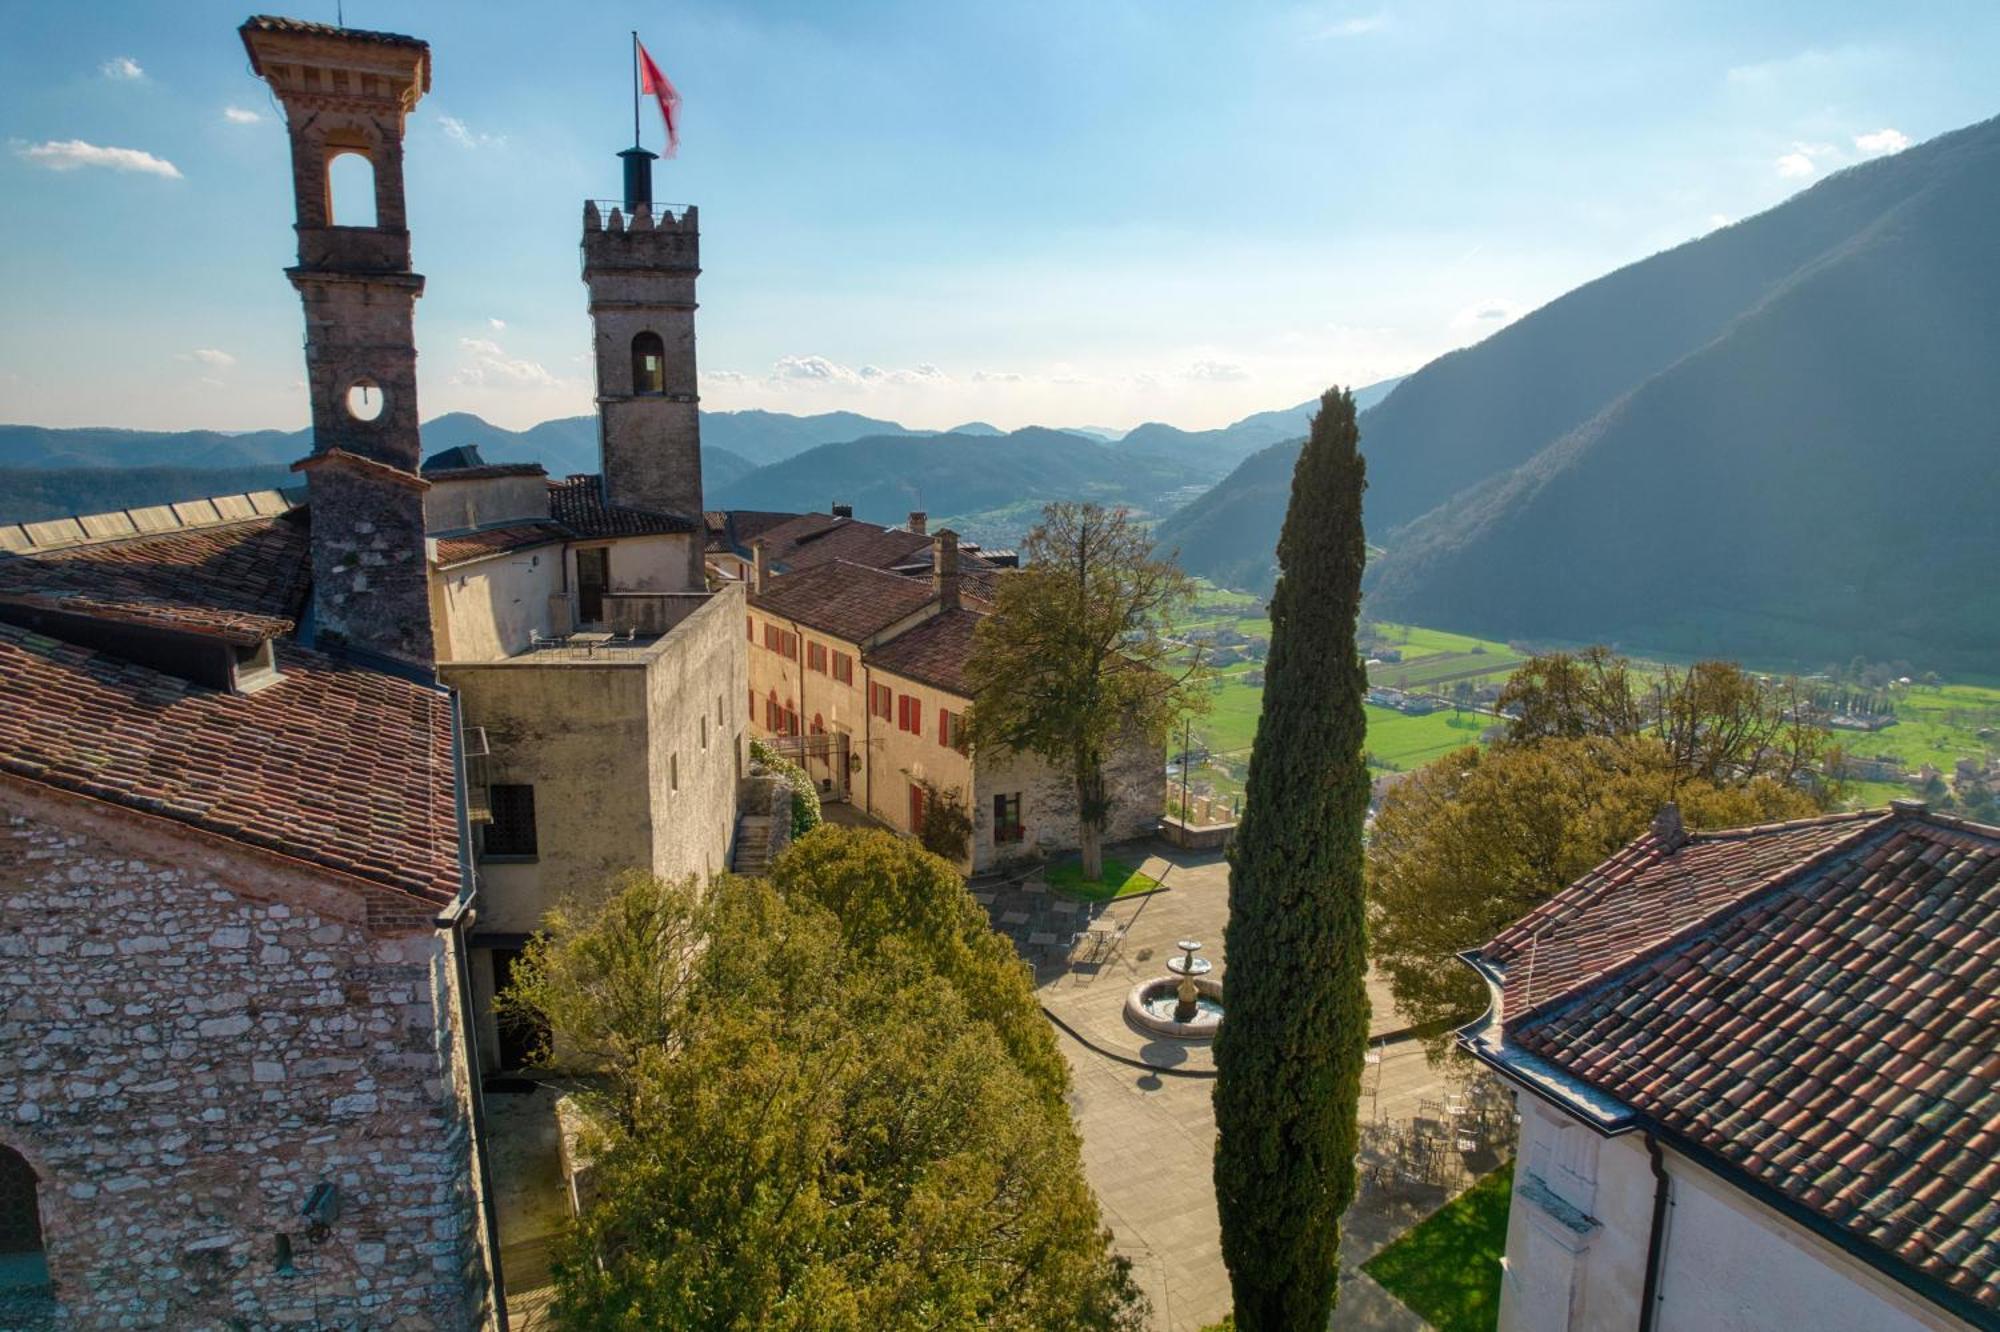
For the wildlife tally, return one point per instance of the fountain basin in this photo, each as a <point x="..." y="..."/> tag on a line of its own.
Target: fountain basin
<point x="1150" y="1008"/>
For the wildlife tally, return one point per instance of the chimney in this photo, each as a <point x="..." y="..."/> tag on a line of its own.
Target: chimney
<point x="1667" y="827"/>
<point x="919" y="520"/>
<point x="944" y="569"/>
<point x="842" y="510"/>
<point x="760" y="568"/>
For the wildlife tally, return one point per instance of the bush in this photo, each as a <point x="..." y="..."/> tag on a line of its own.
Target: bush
<point x="805" y="795"/>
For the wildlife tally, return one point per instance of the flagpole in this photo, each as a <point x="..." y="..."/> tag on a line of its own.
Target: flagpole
<point x="635" y="87"/>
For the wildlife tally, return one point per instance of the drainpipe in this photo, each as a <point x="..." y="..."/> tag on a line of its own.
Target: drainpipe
<point x="1656" y="1240"/>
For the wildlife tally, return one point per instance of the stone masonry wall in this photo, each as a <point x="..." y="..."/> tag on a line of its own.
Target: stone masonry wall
<point x="191" y="1038"/>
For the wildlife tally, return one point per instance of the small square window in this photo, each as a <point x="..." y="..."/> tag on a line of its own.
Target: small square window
<point x="512" y="831"/>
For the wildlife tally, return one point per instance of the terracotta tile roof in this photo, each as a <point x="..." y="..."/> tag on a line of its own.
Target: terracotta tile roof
<point x="577" y="502"/>
<point x="810" y="539"/>
<point x="230" y="626"/>
<point x="1825" y="1025"/>
<point x="934" y="653"/>
<point x="465" y="546"/>
<point x="248" y="577"/>
<point x="1644" y="895"/>
<point x="334" y="764"/>
<point x="273" y="23"/>
<point x="850" y="601"/>
<point x="735" y="529"/>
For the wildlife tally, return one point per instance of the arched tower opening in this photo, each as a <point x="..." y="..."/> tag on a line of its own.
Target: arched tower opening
<point x="350" y="188"/>
<point x="23" y="1260"/>
<point x="649" y="363"/>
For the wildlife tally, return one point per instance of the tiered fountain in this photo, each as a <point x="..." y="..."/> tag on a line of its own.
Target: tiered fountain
<point x="1186" y="1005"/>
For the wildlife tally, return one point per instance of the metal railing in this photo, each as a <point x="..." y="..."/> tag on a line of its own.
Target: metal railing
<point x="656" y="213"/>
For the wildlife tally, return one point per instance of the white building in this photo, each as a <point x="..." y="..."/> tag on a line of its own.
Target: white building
<point x="1759" y="1081"/>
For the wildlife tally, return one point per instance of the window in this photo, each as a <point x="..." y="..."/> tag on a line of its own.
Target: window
<point x="704" y="731"/>
<point x="750" y="626"/>
<point x="649" y="364"/>
<point x="350" y="189"/>
<point x="784" y="644"/>
<point x="816" y="657"/>
<point x="753" y="703"/>
<point x="916" y="808"/>
<point x="1007" y="819"/>
<point x="819" y="724"/>
<point x="880" y="699"/>
<point x="791" y="720"/>
<point x="843" y="668"/>
<point x="21" y="1257"/>
<point x="910" y="714"/>
<point x="512" y="831"/>
<point x="951" y="729"/>
<point x="674" y="772"/>
<point x="773" y="718"/>
<point x="718" y="709"/>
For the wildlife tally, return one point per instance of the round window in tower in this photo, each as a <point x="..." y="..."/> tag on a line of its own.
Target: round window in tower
<point x="365" y="400"/>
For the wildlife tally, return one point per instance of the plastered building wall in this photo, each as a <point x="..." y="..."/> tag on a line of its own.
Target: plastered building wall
<point x="192" y="1037"/>
<point x="1729" y="1264"/>
<point x="491" y="608"/>
<point x="457" y="505"/>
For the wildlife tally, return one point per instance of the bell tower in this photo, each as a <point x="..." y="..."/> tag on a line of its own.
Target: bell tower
<point x="346" y="95"/>
<point x="640" y="262"/>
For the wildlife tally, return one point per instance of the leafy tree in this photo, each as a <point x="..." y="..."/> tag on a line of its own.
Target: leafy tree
<point x="1471" y="842"/>
<point x="1075" y="657"/>
<point x="947" y="824"/>
<point x="818" y="1125"/>
<point x="1290" y="1054"/>
<point x="1719" y="723"/>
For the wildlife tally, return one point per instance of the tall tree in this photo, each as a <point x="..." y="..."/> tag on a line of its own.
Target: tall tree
<point x="812" y="1123"/>
<point x="1291" y="1048"/>
<point x="1076" y="657"/>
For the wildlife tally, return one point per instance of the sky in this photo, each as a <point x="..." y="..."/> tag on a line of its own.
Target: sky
<point x="1023" y="213"/>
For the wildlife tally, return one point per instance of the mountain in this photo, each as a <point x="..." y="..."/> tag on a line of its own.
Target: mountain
<point x="998" y="483"/>
<point x="1214" y="452"/>
<point x="31" y="495"/>
<point x="720" y="467"/>
<point x="767" y="437"/>
<point x="1773" y="442"/>
<point x="975" y="428"/>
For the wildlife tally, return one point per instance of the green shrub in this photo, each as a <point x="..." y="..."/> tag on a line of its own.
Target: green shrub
<point x="805" y="795"/>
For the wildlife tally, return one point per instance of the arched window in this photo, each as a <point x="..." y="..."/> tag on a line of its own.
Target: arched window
<point x="22" y="1266"/>
<point x="819" y="724"/>
<point x="649" y="364"/>
<point x="350" y="189"/>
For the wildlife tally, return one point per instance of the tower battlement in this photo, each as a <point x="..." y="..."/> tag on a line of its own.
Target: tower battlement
<point x="660" y="238"/>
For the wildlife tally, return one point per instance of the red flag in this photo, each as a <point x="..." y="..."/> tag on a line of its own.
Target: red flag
<point x="654" y="82"/>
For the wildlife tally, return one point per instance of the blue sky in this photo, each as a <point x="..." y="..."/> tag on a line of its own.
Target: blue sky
<point x="1082" y="214"/>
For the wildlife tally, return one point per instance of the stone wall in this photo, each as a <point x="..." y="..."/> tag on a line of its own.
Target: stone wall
<point x="192" y="1036"/>
<point x="1135" y="775"/>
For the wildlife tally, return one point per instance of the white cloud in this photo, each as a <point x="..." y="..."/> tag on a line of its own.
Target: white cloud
<point x="240" y="115"/>
<point x="1359" y="26"/>
<point x="1487" y="315"/>
<point x="725" y="377"/>
<point x="1793" y="166"/>
<point x="122" y="68"/>
<point x="465" y="136"/>
<point x="498" y="325"/>
<point x="487" y="364"/>
<point x="1717" y="221"/>
<point x="210" y="356"/>
<point x="1215" y="372"/>
<point x="69" y="154"/>
<point x="818" y="370"/>
<point x="997" y="376"/>
<point x="1882" y="141"/>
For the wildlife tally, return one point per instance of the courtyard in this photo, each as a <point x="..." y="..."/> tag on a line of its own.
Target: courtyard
<point x="1143" y="1103"/>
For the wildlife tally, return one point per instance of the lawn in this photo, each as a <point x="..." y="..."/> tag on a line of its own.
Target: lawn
<point x="1120" y="880"/>
<point x="1447" y="1268"/>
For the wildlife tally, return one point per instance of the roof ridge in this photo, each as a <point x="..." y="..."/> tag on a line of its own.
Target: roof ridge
<point x="107" y="526"/>
<point x="1785" y="825"/>
<point x="1769" y="887"/>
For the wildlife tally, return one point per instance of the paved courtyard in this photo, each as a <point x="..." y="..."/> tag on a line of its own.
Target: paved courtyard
<point x="1143" y="1103"/>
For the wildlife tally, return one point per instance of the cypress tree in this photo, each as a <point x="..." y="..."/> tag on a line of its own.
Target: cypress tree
<point x="1291" y="1048"/>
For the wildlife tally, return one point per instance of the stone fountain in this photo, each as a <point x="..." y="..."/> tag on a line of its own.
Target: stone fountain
<point x="1186" y="1005"/>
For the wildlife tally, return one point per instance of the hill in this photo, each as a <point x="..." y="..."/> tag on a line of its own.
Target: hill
<point x="954" y="476"/>
<point x="1766" y="442"/>
<point x="1214" y="452"/>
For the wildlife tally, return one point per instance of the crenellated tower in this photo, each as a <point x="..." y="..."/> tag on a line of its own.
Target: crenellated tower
<point x="640" y="262"/>
<point x="347" y="93"/>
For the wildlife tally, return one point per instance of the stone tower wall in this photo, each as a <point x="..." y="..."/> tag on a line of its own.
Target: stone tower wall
<point x="351" y="92"/>
<point x="641" y="273"/>
<point x="191" y="1039"/>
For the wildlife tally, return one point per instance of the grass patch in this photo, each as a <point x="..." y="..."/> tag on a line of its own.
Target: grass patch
<point x="1120" y="880"/>
<point x="1447" y="1267"/>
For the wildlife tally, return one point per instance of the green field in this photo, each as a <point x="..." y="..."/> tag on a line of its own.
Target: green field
<point x="1935" y="725"/>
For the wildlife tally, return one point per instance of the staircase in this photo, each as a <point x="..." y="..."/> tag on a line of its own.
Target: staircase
<point x="752" y="855"/>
